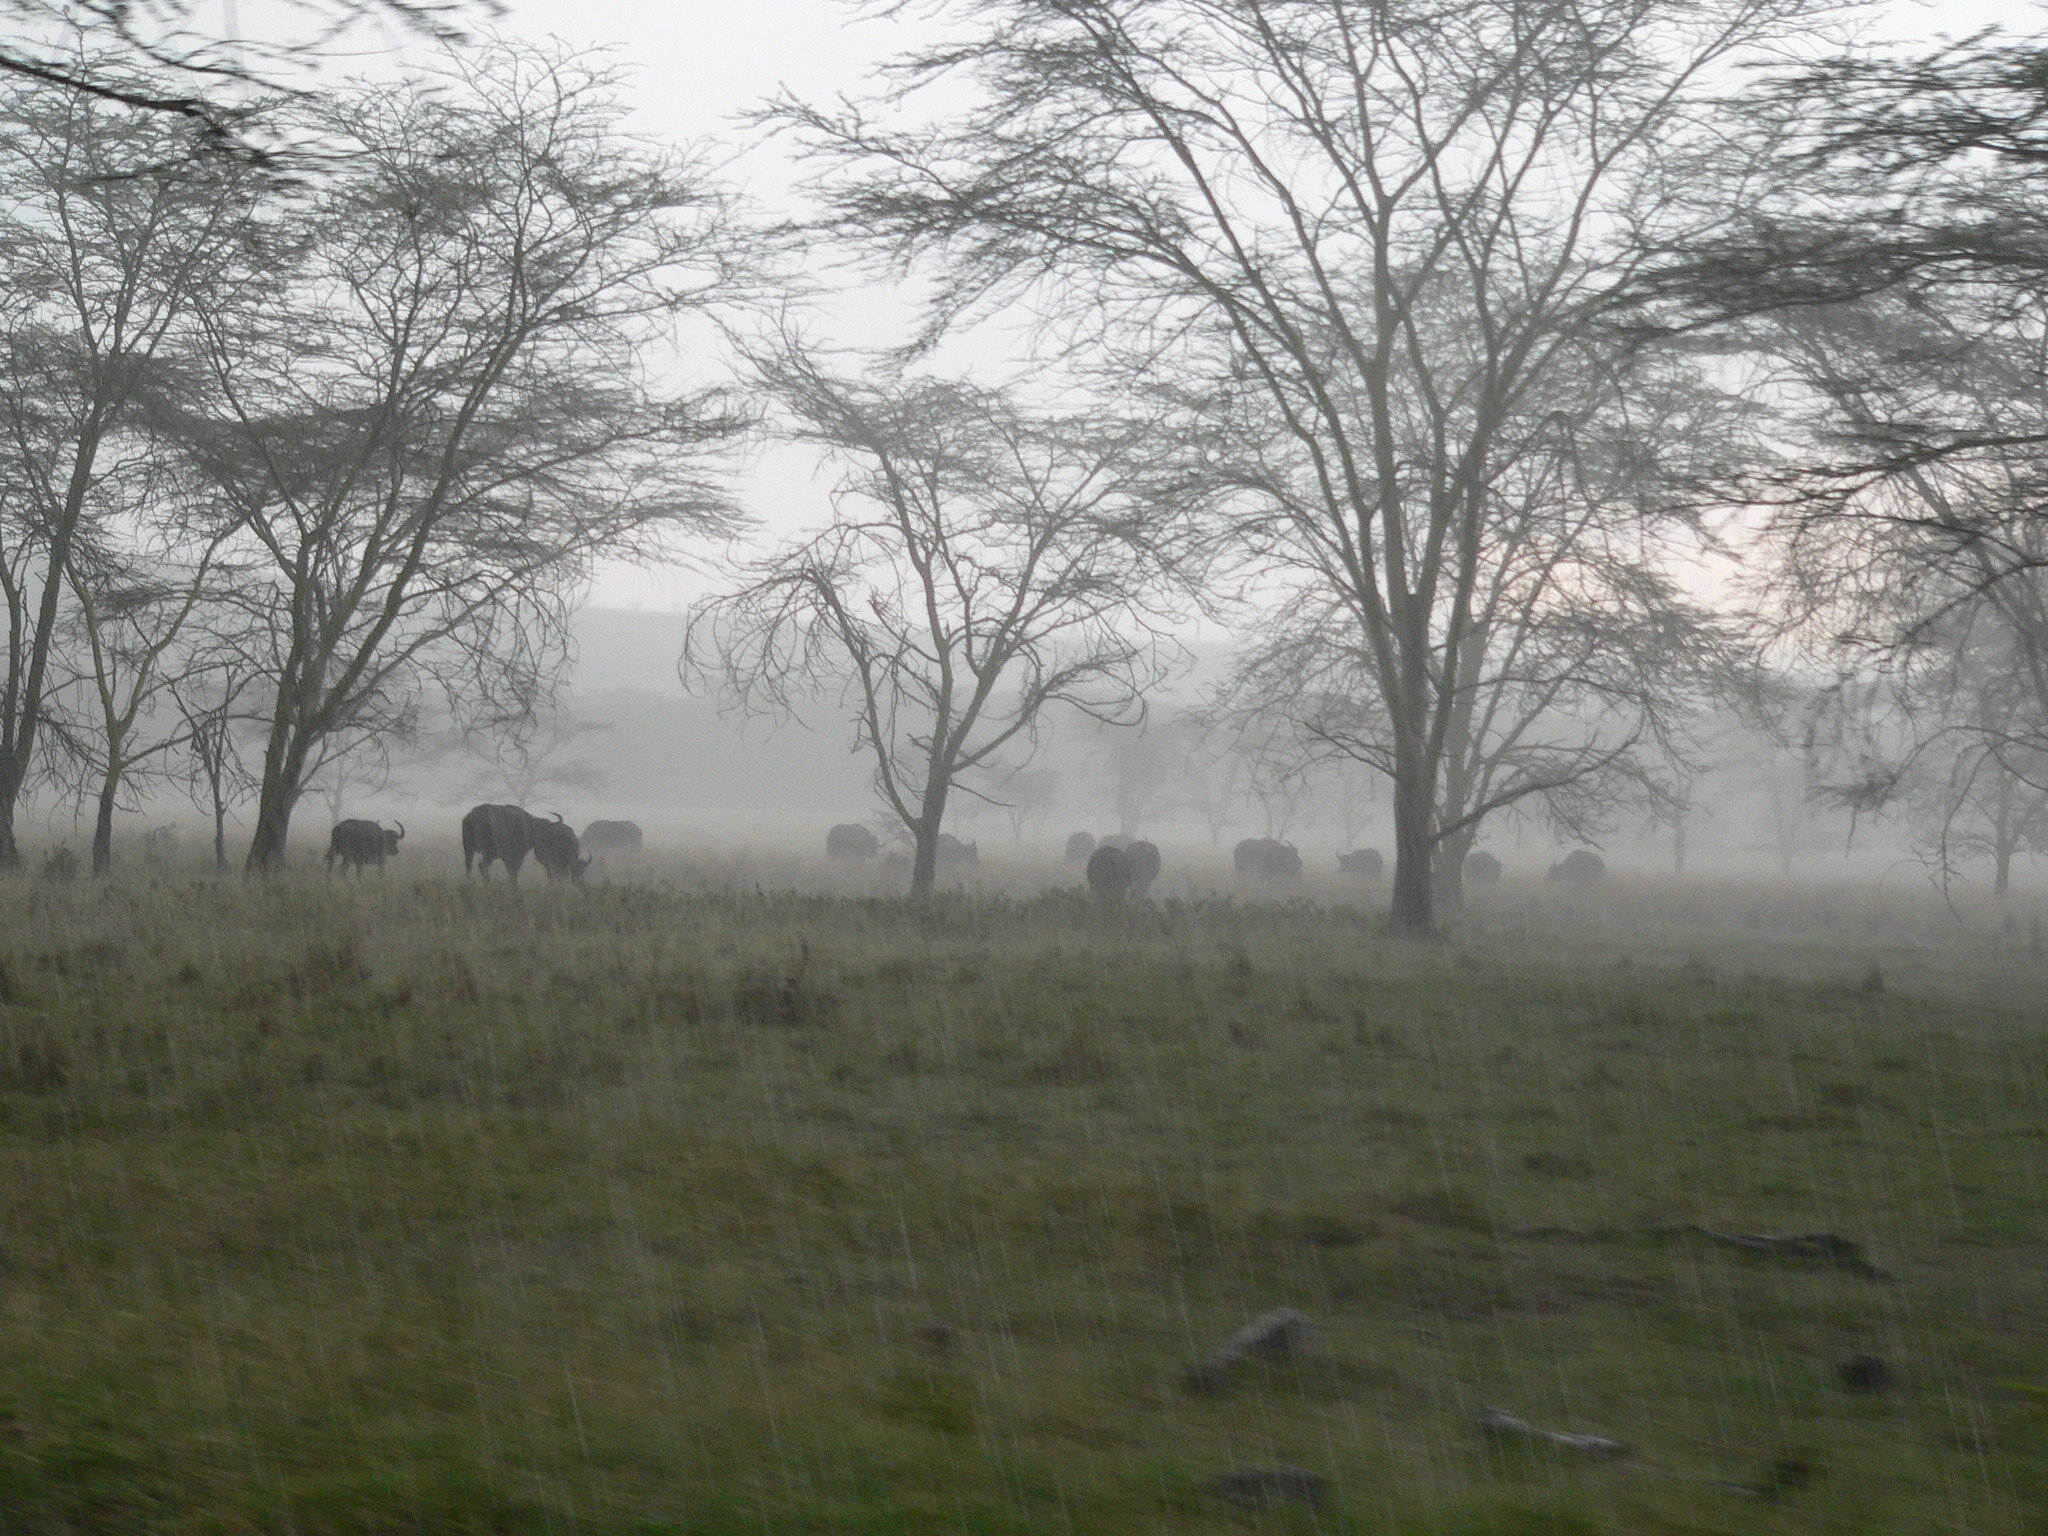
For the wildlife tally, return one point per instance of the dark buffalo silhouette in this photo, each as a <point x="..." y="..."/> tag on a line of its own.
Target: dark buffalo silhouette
<point x="605" y="837"/>
<point x="1079" y="847"/>
<point x="847" y="841"/>
<point x="1362" y="864"/>
<point x="1115" y="840"/>
<point x="1581" y="867"/>
<point x="1144" y="861"/>
<point x="954" y="855"/>
<point x="356" y="843"/>
<point x="557" y="851"/>
<point x="1482" y="870"/>
<point x="1109" y="873"/>
<point x="496" y="833"/>
<point x="1264" y="858"/>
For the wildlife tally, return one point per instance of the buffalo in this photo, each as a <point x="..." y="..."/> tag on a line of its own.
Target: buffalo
<point x="954" y="855"/>
<point x="500" y="833"/>
<point x="1109" y="873"/>
<point x="1362" y="864"/>
<point x="1079" y="847"/>
<point x="1580" y="867"/>
<point x="607" y="837"/>
<point x="1143" y="857"/>
<point x="358" y="843"/>
<point x="557" y="851"/>
<point x="1265" y="859"/>
<point x="1482" y="871"/>
<point x="848" y="841"/>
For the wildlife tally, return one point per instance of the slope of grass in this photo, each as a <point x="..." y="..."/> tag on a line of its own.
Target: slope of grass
<point x="420" y="1208"/>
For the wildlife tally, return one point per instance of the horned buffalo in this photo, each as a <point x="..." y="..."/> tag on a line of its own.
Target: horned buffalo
<point x="1143" y="858"/>
<point x="1079" y="847"/>
<point x="496" y="833"/>
<point x="1266" y="859"/>
<point x="954" y="855"/>
<point x="1362" y="864"/>
<point x="1580" y="867"/>
<point x="848" y="841"/>
<point x="557" y="851"/>
<point x="357" y="843"/>
<point x="1482" y="871"/>
<point x="607" y="837"/>
<point x="1109" y="873"/>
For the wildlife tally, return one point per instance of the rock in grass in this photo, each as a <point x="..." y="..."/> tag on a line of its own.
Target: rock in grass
<point x="1823" y="1247"/>
<point x="1271" y="1487"/>
<point x="1785" y="1474"/>
<point x="1275" y="1335"/>
<point x="1496" y="1422"/>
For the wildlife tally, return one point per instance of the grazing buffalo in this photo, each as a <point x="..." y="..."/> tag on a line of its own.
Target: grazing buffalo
<point x="1109" y="873"/>
<point x="1482" y="871"/>
<point x="357" y="843"/>
<point x="496" y="833"/>
<point x="847" y="841"/>
<point x="1263" y="858"/>
<point x="954" y="855"/>
<point x="1079" y="847"/>
<point x="608" y="837"/>
<point x="1143" y="858"/>
<point x="1362" y="864"/>
<point x="557" y="851"/>
<point x="1581" y="867"/>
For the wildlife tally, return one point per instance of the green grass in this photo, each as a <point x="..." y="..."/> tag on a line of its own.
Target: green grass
<point x="416" y="1208"/>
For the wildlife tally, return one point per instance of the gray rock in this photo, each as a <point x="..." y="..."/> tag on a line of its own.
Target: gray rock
<point x="1275" y="1335"/>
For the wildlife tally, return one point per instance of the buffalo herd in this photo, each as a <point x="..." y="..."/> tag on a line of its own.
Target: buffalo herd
<point x="1115" y="867"/>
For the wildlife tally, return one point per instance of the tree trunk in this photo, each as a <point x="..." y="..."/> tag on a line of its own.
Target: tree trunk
<point x="1414" y="907"/>
<point x="924" y="863"/>
<point x="2001" y="876"/>
<point x="103" y="823"/>
<point x="1678" y="845"/>
<point x="273" y="830"/>
<point x="283" y="783"/>
<point x="220" y="833"/>
<point x="10" y="792"/>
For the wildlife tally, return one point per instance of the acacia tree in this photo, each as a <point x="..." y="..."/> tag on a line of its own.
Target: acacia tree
<point x="1393" y="224"/>
<point x="1892" y="271"/>
<point x="985" y="563"/>
<point x="1581" y="665"/>
<point x="436" y="416"/>
<point x="163" y="57"/>
<point x="112" y="240"/>
<point x="208" y="699"/>
<point x="147" y="616"/>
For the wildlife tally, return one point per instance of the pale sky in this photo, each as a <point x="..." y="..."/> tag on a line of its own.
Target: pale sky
<point x="695" y="65"/>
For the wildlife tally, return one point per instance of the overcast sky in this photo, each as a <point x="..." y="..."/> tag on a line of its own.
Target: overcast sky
<point x="694" y="65"/>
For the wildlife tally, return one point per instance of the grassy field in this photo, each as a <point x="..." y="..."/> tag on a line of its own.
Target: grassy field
<point x="418" y="1208"/>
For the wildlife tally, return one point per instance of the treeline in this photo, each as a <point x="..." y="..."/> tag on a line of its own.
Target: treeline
<point x="296" y="453"/>
<point x="1544" y="392"/>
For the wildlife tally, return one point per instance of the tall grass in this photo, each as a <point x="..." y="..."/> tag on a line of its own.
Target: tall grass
<point x="414" y="1207"/>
